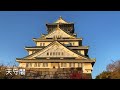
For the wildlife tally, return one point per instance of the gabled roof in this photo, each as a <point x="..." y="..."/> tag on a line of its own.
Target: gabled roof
<point x="60" y="20"/>
<point x="57" y="33"/>
<point x="55" y="47"/>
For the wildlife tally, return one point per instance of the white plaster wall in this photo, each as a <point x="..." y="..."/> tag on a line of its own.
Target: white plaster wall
<point x="87" y="67"/>
<point x="45" y="43"/>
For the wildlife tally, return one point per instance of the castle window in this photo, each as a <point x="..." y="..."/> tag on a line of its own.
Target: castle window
<point x="62" y="53"/>
<point x="63" y="64"/>
<point x="72" y="64"/>
<point x="45" y="64"/>
<point x="35" y="64"/>
<point x="40" y="44"/>
<point x="47" y="53"/>
<point x="38" y="64"/>
<point x="58" y="53"/>
<point x="27" y="64"/>
<point x="53" y="53"/>
<point x="43" y="44"/>
<point x="30" y="64"/>
<point x="50" y="53"/>
<point x="79" y="64"/>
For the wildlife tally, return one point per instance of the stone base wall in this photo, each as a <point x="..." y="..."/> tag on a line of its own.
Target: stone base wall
<point x="57" y="74"/>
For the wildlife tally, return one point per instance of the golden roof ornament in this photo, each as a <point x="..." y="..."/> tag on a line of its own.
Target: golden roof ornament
<point x="60" y="20"/>
<point x="60" y="17"/>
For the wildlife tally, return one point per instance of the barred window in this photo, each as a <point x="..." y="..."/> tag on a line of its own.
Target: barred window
<point x="40" y="44"/>
<point x="38" y="64"/>
<point x="27" y="64"/>
<point x="53" y="53"/>
<point x="43" y="44"/>
<point x="72" y="64"/>
<point x="45" y="64"/>
<point x="35" y="64"/>
<point x="63" y="64"/>
<point x="58" y="53"/>
<point x="62" y="53"/>
<point x="79" y="64"/>
<point x="47" y="53"/>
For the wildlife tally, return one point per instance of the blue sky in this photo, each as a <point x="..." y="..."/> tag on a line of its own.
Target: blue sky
<point x="99" y="29"/>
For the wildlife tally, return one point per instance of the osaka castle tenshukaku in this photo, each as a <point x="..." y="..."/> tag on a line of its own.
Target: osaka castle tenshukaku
<point x="60" y="48"/>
